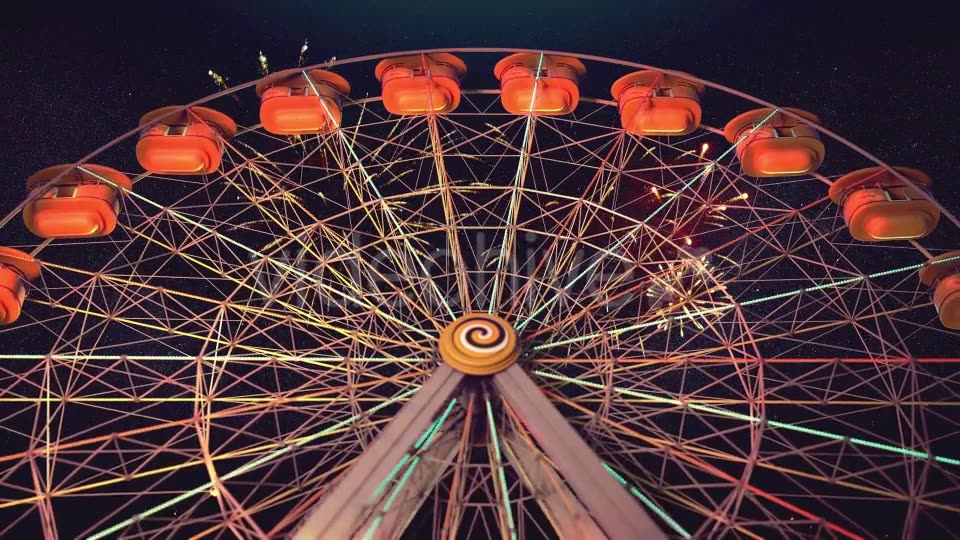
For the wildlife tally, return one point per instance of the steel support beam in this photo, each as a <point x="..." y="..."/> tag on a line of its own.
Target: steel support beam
<point x="568" y="517"/>
<point x="341" y="512"/>
<point x="413" y="485"/>
<point x="616" y="511"/>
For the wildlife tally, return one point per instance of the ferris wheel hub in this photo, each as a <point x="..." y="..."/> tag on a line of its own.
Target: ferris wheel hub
<point x="479" y="344"/>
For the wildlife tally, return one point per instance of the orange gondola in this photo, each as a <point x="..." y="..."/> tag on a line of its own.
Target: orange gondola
<point x="83" y="203"/>
<point x="943" y="274"/>
<point x="16" y="270"/>
<point x="780" y="146"/>
<point x="292" y="104"/>
<point x="653" y="103"/>
<point x="878" y="206"/>
<point x="184" y="141"/>
<point x="554" y="90"/>
<point x="421" y="84"/>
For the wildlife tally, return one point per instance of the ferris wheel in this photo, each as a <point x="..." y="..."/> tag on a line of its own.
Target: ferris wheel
<point x="559" y="296"/>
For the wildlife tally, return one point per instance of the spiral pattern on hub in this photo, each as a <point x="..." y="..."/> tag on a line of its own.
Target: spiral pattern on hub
<point x="479" y="344"/>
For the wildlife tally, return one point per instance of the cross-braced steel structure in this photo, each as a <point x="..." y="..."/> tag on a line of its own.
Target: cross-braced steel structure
<point x="253" y="352"/>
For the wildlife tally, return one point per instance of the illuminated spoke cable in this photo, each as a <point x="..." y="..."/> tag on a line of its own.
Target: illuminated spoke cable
<point x="517" y="181"/>
<point x="501" y="476"/>
<point x="847" y="281"/>
<point x="383" y="204"/>
<point x="706" y="170"/>
<point x="231" y="241"/>
<point x="756" y="420"/>
<point x="450" y="214"/>
<point x="779" y="296"/>
<point x="212" y="358"/>
<point x="649" y="503"/>
<point x="246" y="467"/>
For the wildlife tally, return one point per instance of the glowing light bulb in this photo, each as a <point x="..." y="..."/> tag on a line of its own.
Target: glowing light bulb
<point x="303" y="54"/>
<point x="220" y="81"/>
<point x="264" y="69"/>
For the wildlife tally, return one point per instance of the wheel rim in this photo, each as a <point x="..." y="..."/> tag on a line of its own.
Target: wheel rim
<point x="740" y="396"/>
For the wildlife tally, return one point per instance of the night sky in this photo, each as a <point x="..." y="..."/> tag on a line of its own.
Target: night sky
<point x="76" y="77"/>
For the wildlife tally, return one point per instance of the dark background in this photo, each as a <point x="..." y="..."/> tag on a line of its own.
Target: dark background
<point x="884" y="75"/>
<point x="75" y="76"/>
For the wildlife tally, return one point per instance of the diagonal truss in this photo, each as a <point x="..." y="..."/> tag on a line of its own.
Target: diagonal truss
<point x="383" y="490"/>
<point x="565" y="512"/>
<point x="342" y="512"/>
<point x="616" y="511"/>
